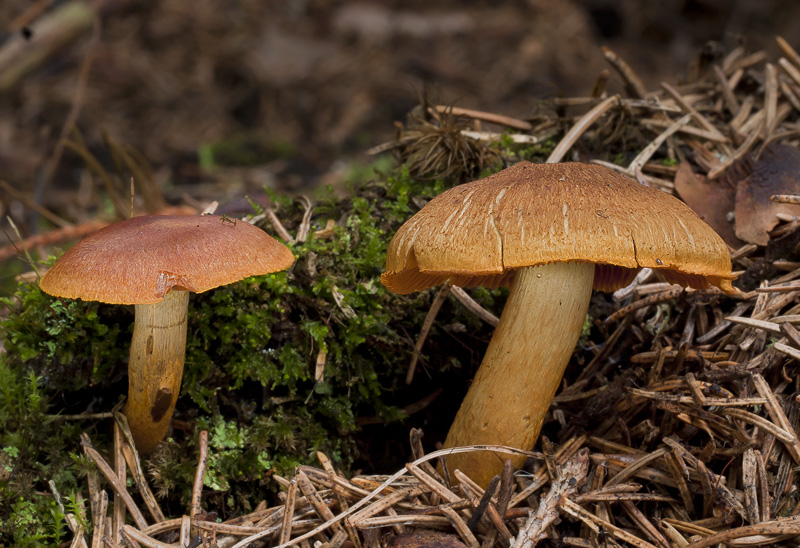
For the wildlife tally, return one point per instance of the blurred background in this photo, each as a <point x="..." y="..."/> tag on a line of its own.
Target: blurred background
<point x="215" y="100"/>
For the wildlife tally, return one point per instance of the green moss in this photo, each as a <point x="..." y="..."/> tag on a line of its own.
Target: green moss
<point x="252" y="354"/>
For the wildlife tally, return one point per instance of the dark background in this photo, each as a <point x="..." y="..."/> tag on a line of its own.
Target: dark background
<point x="288" y="93"/>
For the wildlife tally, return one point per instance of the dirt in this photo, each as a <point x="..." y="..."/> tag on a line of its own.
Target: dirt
<point x="303" y="86"/>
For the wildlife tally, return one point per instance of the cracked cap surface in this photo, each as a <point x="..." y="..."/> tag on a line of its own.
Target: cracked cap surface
<point x="139" y="260"/>
<point x="531" y="214"/>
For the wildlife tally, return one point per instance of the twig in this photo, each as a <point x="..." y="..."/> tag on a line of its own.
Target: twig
<point x="507" y="121"/>
<point x="471" y="305"/>
<point x="77" y="103"/>
<point x="580" y="127"/>
<point x="570" y="477"/>
<point x="278" y="226"/>
<point x="776" y="413"/>
<point x="633" y="84"/>
<point x="116" y="483"/>
<point x="595" y="523"/>
<point x="305" y="224"/>
<point x="788" y="51"/>
<point x="200" y="474"/>
<point x="641" y="303"/>
<point x="436" y="305"/>
<point x="780" y="526"/>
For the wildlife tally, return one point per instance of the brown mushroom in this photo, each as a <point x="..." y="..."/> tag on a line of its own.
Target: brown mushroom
<point x="153" y="262"/>
<point x="552" y="232"/>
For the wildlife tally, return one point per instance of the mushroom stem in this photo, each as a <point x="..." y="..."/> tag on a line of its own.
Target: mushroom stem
<point x="523" y="365"/>
<point x="155" y="369"/>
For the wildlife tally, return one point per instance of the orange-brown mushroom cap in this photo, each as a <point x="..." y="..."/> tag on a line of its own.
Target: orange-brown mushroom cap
<point x="530" y="214"/>
<point x="139" y="260"/>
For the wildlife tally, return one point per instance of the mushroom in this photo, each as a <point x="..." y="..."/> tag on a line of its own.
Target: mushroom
<point x="153" y="262"/>
<point x="552" y="232"/>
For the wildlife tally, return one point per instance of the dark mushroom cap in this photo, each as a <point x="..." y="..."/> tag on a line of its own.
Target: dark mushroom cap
<point x="139" y="260"/>
<point x="532" y="214"/>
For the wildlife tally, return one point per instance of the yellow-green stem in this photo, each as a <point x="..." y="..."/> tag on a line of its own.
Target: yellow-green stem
<point x="512" y="390"/>
<point x="155" y="370"/>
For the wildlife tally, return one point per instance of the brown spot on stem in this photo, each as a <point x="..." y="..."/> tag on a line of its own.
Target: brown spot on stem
<point x="149" y="345"/>
<point x="161" y="406"/>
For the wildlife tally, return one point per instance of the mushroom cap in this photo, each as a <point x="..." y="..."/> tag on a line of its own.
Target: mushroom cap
<point x="531" y="214"/>
<point x="139" y="260"/>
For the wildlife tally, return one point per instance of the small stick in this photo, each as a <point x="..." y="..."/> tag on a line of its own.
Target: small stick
<point x="645" y="525"/>
<point x="633" y="84"/>
<point x="782" y="434"/>
<point x="52" y="237"/>
<point x="580" y="127"/>
<point x="689" y="109"/>
<point x="769" y="327"/>
<point x="788" y="51"/>
<point x="386" y="502"/>
<point x="738" y="153"/>
<point x="780" y="526"/>
<point x="727" y="92"/>
<point x="120" y="474"/>
<point x="788" y="350"/>
<point x="76" y="106"/>
<point x="471" y="305"/>
<point x="316" y="501"/>
<point x="514" y="137"/>
<point x="278" y="226"/>
<point x="492" y="118"/>
<point x="599" y="87"/>
<point x="432" y="484"/>
<point x="79" y="541"/>
<point x="100" y="520"/>
<point x="185" y="532"/>
<point x="632" y="468"/>
<point x="483" y="503"/>
<point x="688" y="130"/>
<point x="200" y="474"/>
<point x="305" y="224"/>
<point x="790" y="70"/>
<point x="390" y="481"/>
<point x="288" y="513"/>
<point x="132" y="459"/>
<point x="785" y="198"/>
<point x="648" y="151"/>
<point x="770" y="98"/>
<point x="595" y="523"/>
<point x="132" y="534"/>
<point x="776" y="413"/>
<point x="116" y="482"/>
<point x="641" y="303"/>
<point x="461" y="528"/>
<point x="540" y="477"/>
<point x="436" y="305"/>
<point x="749" y="482"/>
<point x="210" y="208"/>
<point x="763" y="487"/>
<point x="570" y="477"/>
<point x="28" y="201"/>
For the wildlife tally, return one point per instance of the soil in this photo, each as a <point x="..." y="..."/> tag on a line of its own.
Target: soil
<point x="299" y="88"/>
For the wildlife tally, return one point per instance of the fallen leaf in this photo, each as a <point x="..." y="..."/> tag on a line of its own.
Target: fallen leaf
<point x="711" y="200"/>
<point x="776" y="172"/>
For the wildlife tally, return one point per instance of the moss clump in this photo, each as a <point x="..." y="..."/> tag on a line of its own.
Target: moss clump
<point x="252" y="354"/>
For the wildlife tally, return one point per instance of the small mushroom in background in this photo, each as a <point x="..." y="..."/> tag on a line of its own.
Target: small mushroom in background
<point x="153" y="262"/>
<point x="552" y="232"/>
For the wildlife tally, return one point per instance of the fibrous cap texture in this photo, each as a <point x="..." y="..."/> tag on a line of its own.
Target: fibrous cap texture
<point x="139" y="260"/>
<point x="530" y="214"/>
